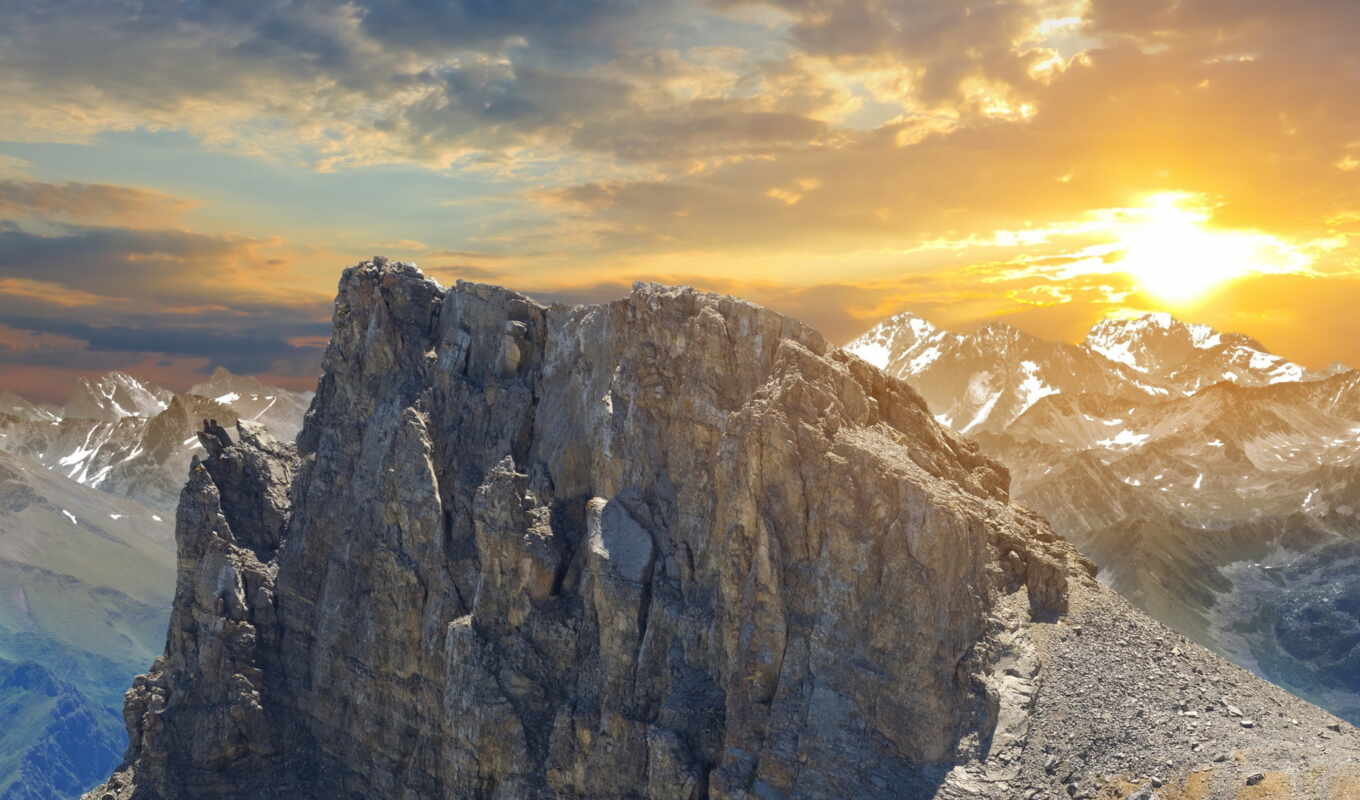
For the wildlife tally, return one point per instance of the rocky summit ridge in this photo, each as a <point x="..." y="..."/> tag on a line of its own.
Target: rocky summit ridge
<point x="674" y="546"/>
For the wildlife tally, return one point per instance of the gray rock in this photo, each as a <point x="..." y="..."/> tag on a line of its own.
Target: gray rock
<point x="674" y="546"/>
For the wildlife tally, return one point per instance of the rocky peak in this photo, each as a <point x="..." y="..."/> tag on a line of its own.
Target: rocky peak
<point x="1161" y="346"/>
<point x="24" y="410"/>
<point x="674" y="546"/>
<point x="114" y="396"/>
<point x="893" y="338"/>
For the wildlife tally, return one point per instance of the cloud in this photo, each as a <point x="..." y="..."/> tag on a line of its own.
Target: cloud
<point x="173" y="271"/>
<point x="244" y="350"/>
<point x="943" y="51"/>
<point x="350" y="82"/>
<point x="555" y="26"/>
<point x="833" y="158"/>
<point x="76" y="297"/>
<point x="13" y="167"/>
<point x="381" y="81"/>
<point x="89" y="202"/>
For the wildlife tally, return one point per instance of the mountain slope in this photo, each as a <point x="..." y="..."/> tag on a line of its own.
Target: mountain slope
<point x="248" y="398"/>
<point x="54" y="741"/>
<point x="675" y="546"/>
<point x="87" y="561"/>
<point x="1204" y="503"/>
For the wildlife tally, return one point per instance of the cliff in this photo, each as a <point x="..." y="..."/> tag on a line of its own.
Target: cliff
<point x="674" y="546"/>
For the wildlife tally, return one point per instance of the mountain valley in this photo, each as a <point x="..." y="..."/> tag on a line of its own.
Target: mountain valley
<point x="87" y="559"/>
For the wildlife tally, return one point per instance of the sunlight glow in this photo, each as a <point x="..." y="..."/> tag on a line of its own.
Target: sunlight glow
<point x="1169" y="248"/>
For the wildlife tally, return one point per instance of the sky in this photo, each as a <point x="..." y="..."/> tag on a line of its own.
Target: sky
<point x="182" y="181"/>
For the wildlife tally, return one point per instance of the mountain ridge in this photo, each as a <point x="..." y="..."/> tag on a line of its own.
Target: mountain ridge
<point x="1188" y="496"/>
<point x="674" y="546"/>
<point x="1121" y="357"/>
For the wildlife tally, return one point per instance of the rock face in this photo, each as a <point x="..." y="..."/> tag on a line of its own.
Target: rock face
<point x="672" y="547"/>
<point x="675" y="546"/>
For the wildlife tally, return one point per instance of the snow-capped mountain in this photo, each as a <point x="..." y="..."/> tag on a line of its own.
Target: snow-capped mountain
<point x="1185" y="358"/>
<point x="87" y="553"/>
<point x="278" y="409"/>
<point x="1190" y="464"/>
<point x="114" y="396"/>
<point x="985" y="380"/>
<point x="21" y="408"/>
<point x="130" y="437"/>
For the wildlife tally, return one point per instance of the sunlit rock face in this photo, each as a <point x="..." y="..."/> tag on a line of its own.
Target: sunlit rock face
<point x="675" y="546"/>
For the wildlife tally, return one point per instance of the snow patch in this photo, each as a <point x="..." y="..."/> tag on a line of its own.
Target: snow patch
<point x="70" y="516"/>
<point x="1204" y="338"/>
<point x="1032" y="388"/>
<point x="923" y="361"/>
<point x="1261" y="360"/>
<point x="983" y="413"/>
<point x="875" y="353"/>
<point x="981" y="394"/>
<point x="1287" y="373"/>
<point x="1118" y="352"/>
<point x="1125" y="438"/>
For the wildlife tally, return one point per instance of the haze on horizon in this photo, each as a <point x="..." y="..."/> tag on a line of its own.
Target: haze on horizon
<point x="180" y="182"/>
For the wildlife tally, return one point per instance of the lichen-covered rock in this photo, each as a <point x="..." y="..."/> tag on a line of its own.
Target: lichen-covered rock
<point x="674" y="546"/>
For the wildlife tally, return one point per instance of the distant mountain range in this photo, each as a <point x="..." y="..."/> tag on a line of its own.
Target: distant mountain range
<point x="87" y="559"/>
<point x="1216" y="484"/>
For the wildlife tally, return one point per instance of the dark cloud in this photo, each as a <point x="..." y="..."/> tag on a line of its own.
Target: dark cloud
<point x="384" y="80"/>
<point x="244" y="351"/>
<point x="276" y="341"/>
<point x="399" y="80"/>
<point x="575" y="26"/>
<point x="109" y="296"/>
<point x="169" y="266"/>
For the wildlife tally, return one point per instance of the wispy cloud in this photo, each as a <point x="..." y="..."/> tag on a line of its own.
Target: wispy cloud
<point x="89" y="202"/>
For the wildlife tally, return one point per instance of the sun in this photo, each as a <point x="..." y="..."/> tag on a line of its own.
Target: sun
<point x="1169" y="248"/>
